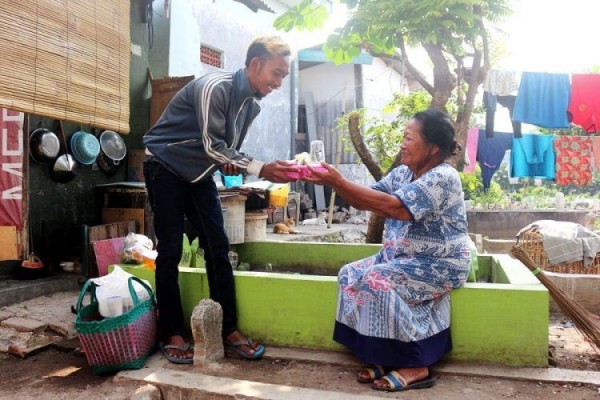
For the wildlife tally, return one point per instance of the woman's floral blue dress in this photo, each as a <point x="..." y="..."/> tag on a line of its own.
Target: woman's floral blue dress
<point x="394" y="307"/>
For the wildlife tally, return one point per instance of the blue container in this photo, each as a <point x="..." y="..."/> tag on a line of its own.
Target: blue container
<point x="231" y="181"/>
<point x="85" y="147"/>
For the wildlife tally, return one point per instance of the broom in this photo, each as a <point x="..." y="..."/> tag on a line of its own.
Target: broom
<point x="587" y="323"/>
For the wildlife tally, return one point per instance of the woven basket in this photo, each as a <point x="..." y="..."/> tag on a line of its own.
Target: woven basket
<point x="531" y="242"/>
<point x="117" y="343"/>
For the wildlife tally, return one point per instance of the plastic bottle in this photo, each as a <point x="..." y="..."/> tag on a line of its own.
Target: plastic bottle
<point x="559" y="201"/>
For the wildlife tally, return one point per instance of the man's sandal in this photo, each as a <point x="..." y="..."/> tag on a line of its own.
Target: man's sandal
<point x="183" y="349"/>
<point x="234" y="349"/>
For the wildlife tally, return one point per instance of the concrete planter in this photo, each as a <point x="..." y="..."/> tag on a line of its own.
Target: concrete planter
<point x="503" y="322"/>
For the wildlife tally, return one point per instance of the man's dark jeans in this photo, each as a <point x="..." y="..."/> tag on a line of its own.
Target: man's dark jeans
<point x="173" y="200"/>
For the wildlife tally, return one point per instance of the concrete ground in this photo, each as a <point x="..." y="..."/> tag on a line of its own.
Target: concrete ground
<point x="48" y="364"/>
<point x="454" y="380"/>
<point x="54" y="369"/>
<point x="312" y="232"/>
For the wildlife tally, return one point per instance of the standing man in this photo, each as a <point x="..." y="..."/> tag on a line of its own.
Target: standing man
<point x="201" y="131"/>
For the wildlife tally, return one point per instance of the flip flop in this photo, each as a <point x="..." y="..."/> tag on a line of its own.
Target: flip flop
<point x="174" y="359"/>
<point x="234" y="349"/>
<point x="398" y="383"/>
<point x="375" y="372"/>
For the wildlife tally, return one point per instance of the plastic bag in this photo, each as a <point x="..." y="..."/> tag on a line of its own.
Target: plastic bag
<point x="197" y="254"/>
<point x="134" y="247"/>
<point x="115" y="286"/>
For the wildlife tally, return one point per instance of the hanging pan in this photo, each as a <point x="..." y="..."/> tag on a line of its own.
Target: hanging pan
<point x="44" y="146"/>
<point x="112" y="151"/>
<point x="65" y="167"/>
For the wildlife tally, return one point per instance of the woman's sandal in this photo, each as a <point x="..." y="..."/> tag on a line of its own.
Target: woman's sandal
<point x="376" y="372"/>
<point x="234" y="349"/>
<point x="397" y="383"/>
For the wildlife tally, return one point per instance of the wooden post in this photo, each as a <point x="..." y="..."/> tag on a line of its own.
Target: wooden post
<point x="338" y="151"/>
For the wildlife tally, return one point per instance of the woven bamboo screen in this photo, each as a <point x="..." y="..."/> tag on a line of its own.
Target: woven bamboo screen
<point x="67" y="59"/>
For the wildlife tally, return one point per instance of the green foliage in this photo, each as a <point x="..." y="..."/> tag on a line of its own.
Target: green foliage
<point x="491" y="197"/>
<point x="404" y="107"/>
<point x="303" y="16"/>
<point x="379" y="24"/>
<point x="383" y="137"/>
<point x="472" y="184"/>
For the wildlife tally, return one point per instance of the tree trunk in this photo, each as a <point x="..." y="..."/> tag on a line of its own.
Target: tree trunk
<point x="444" y="81"/>
<point x="360" y="146"/>
<point x="375" y="229"/>
<point x="463" y="119"/>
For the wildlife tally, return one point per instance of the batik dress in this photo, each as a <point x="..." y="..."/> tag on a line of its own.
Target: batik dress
<point x="394" y="307"/>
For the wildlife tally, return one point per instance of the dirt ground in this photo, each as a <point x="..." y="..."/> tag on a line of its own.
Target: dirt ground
<point x="53" y="374"/>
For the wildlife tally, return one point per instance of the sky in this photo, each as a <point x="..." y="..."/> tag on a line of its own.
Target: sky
<point x="540" y="35"/>
<point x="553" y="36"/>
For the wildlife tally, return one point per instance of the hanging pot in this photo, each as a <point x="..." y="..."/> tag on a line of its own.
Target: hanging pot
<point x="112" y="151"/>
<point x="44" y="146"/>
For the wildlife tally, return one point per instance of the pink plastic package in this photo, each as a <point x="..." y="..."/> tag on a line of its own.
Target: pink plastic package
<point x="304" y="172"/>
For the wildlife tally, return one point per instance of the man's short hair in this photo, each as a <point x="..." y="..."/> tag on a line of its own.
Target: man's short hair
<point x="265" y="47"/>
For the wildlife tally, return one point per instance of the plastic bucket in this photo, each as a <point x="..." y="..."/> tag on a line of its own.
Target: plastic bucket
<point x="278" y="196"/>
<point x="256" y="227"/>
<point x="234" y="217"/>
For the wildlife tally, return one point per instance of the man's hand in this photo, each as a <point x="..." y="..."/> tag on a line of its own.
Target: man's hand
<point x="277" y="171"/>
<point x="230" y="169"/>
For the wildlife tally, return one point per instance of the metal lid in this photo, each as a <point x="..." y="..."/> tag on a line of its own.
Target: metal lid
<point x="112" y="145"/>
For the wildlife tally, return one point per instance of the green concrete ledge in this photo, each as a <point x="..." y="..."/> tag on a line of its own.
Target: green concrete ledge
<point x="503" y="323"/>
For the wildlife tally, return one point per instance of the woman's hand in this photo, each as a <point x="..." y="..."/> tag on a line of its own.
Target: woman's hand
<point x="319" y="177"/>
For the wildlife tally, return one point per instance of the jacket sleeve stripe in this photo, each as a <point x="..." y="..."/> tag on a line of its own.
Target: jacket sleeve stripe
<point x="206" y="137"/>
<point x="206" y="95"/>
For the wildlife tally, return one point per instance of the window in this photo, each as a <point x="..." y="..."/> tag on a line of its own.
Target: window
<point x="211" y="56"/>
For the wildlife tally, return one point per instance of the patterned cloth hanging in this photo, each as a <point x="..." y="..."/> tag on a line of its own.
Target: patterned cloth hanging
<point x="595" y="151"/>
<point x="573" y="160"/>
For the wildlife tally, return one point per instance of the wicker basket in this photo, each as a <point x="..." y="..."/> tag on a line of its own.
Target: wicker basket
<point x="531" y="242"/>
<point x="117" y="343"/>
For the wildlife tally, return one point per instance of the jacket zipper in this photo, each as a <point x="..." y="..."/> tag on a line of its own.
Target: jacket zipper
<point x="237" y="134"/>
<point x="182" y="142"/>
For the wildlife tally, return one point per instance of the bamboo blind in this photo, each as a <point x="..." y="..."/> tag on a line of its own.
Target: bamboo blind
<point x="67" y="60"/>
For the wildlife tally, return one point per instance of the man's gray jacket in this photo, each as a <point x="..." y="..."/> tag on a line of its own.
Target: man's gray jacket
<point x="204" y="126"/>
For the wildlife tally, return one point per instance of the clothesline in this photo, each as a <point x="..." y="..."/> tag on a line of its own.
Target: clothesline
<point x="548" y="100"/>
<point x="568" y="160"/>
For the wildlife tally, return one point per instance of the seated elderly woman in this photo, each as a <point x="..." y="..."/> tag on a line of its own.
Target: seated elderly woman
<point x="393" y="308"/>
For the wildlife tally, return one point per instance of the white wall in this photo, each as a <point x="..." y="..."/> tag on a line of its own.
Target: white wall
<point x="327" y="82"/>
<point x="380" y="83"/>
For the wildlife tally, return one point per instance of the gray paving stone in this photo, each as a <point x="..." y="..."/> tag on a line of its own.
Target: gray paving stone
<point x="24" y="324"/>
